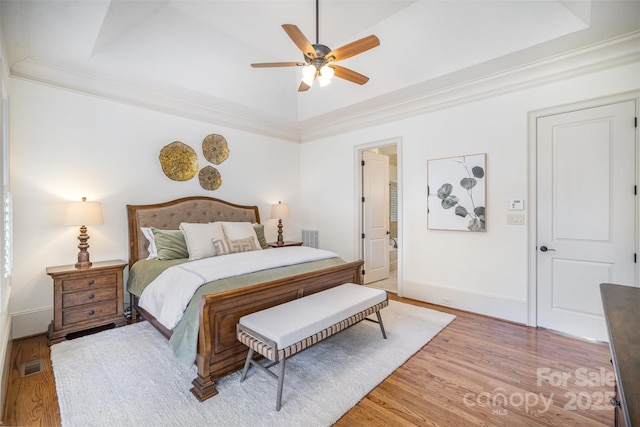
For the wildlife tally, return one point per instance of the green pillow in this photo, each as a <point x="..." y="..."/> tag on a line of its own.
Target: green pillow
<point x="260" y="233"/>
<point x="170" y="243"/>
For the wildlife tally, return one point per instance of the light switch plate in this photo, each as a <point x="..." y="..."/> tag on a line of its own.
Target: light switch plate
<point x="516" y="205"/>
<point x="515" y="219"/>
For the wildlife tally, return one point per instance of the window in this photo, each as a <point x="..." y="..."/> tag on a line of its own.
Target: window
<point x="393" y="201"/>
<point x="7" y="261"/>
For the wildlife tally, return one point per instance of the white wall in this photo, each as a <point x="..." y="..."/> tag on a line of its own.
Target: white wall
<point x="65" y="145"/>
<point x="5" y="280"/>
<point x="481" y="272"/>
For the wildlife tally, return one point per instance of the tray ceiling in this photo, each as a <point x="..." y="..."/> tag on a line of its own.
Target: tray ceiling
<point x="193" y="56"/>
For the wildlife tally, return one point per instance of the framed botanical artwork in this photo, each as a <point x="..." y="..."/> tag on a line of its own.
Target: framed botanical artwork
<point x="457" y="191"/>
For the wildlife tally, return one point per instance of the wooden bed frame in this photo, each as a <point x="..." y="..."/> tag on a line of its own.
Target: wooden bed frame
<point x="219" y="351"/>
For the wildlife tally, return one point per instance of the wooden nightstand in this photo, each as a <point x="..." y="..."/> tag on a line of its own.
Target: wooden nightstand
<point x="288" y="243"/>
<point x="86" y="298"/>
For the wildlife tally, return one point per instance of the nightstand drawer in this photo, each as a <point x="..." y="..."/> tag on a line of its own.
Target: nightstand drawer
<point x="89" y="297"/>
<point x="89" y="282"/>
<point x="89" y="312"/>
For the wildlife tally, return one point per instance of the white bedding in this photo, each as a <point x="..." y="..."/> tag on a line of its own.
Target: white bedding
<point x="168" y="295"/>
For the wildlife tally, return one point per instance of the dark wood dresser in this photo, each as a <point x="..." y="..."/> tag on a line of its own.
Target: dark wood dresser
<point x="86" y="298"/>
<point x="622" y="312"/>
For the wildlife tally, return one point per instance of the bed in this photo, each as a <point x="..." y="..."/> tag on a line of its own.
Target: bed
<point x="217" y="351"/>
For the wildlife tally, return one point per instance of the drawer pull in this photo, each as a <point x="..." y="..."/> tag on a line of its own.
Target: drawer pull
<point x="91" y="296"/>
<point x="91" y="282"/>
<point x="91" y="312"/>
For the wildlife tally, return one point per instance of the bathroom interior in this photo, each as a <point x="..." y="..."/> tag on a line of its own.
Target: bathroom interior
<point x="391" y="283"/>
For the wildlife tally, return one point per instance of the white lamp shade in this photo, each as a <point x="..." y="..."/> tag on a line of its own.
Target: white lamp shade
<point x="279" y="211"/>
<point x="83" y="213"/>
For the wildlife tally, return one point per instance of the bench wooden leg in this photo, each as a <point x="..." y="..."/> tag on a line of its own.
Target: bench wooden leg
<point x="247" y="364"/>
<point x="384" y="334"/>
<point x="280" y="376"/>
<point x="280" y="384"/>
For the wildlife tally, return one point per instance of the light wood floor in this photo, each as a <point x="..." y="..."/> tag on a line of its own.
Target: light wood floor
<point x="477" y="371"/>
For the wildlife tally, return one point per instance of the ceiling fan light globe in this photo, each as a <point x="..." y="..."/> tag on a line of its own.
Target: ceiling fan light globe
<point x="308" y="80"/>
<point x="326" y="72"/>
<point x="323" y="80"/>
<point x="309" y="71"/>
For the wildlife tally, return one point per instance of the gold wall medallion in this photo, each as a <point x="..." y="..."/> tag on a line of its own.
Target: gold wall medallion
<point x="215" y="149"/>
<point x="179" y="161"/>
<point x="210" y="178"/>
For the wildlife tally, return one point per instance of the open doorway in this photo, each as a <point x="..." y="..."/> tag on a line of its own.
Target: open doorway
<point x="378" y="240"/>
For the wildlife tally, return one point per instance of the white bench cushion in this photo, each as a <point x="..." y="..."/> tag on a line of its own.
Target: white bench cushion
<point x="293" y="321"/>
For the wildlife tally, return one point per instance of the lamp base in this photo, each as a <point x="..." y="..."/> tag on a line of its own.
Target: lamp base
<point x="81" y="265"/>
<point x="280" y="241"/>
<point x="83" y="255"/>
<point x="83" y="260"/>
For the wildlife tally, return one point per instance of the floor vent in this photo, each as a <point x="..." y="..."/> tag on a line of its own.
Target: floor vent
<point x="30" y="368"/>
<point x="310" y="238"/>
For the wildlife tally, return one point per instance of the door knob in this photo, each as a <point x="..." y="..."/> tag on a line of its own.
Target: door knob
<point x="545" y="249"/>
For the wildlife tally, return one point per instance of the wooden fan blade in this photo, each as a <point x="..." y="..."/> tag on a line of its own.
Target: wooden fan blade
<point x="347" y="74"/>
<point x="278" y="64"/>
<point x="354" y="48"/>
<point x="303" y="87"/>
<point x="300" y="40"/>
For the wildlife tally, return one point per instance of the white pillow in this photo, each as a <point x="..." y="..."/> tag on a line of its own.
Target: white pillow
<point x="240" y="230"/>
<point x="199" y="238"/>
<point x="148" y="234"/>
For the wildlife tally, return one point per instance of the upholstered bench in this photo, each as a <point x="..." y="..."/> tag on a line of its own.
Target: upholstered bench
<point x="284" y="330"/>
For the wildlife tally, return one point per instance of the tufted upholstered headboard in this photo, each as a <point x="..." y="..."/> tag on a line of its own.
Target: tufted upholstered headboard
<point x="169" y="215"/>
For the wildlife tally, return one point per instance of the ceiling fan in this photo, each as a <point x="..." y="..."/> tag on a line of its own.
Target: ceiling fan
<point x="319" y="59"/>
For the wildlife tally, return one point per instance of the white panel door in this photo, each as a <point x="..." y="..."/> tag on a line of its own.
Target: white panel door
<point x="375" y="190"/>
<point x="586" y="211"/>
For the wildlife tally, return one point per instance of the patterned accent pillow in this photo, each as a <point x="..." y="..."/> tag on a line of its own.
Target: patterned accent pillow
<point x="228" y="246"/>
<point x="240" y="230"/>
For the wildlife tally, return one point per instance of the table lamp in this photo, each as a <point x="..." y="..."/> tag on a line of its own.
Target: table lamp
<point x="83" y="213"/>
<point x="279" y="211"/>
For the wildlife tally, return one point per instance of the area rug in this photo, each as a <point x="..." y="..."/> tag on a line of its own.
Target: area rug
<point x="128" y="376"/>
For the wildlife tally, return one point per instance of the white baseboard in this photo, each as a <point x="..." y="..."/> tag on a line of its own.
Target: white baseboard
<point x="32" y="322"/>
<point x="488" y="305"/>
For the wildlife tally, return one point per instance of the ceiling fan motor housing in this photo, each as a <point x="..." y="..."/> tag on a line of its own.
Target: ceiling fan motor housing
<point x="321" y="52"/>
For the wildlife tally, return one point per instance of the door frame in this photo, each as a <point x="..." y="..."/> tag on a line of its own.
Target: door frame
<point x="531" y="239"/>
<point x="358" y="149"/>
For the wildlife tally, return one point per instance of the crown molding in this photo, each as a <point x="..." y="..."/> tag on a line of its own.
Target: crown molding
<point x="456" y="89"/>
<point x="174" y="101"/>
<point x="427" y="97"/>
